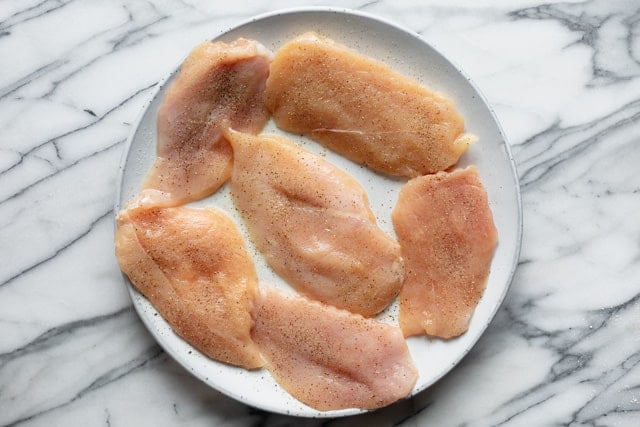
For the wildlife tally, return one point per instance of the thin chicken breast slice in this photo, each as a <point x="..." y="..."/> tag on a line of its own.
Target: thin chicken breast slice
<point x="446" y="231"/>
<point x="362" y="109"/>
<point x="329" y="358"/>
<point x="219" y="85"/>
<point x="313" y="224"/>
<point x="193" y="267"/>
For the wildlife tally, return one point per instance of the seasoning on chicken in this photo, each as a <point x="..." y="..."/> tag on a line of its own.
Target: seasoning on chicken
<point x="446" y="231"/>
<point x="193" y="267"/>
<point x="313" y="224"/>
<point x="329" y="358"/>
<point x="362" y="109"/>
<point x="219" y="85"/>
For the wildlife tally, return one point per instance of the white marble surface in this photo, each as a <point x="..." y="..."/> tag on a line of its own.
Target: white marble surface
<point x="564" y="80"/>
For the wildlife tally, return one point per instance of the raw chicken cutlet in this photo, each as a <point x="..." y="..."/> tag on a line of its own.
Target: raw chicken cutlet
<point x="363" y="109"/>
<point x="446" y="231"/>
<point x="313" y="224"/>
<point x="193" y="266"/>
<point x="329" y="358"/>
<point x="219" y="85"/>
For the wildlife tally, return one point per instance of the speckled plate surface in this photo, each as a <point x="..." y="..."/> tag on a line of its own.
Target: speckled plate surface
<point x="409" y="54"/>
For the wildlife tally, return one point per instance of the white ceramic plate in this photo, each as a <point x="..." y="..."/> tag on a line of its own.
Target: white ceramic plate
<point x="408" y="53"/>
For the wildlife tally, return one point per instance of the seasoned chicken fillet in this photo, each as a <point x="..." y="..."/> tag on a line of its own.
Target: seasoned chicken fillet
<point x="313" y="224"/>
<point x="193" y="266"/>
<point x="329" y="358"/>
<point x="363" y="109"/>
<point x="219" y="85"/>
<point x="446" y="231"/>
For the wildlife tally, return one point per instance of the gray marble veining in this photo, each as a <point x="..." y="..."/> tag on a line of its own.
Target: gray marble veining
<point x="564" y="80"/>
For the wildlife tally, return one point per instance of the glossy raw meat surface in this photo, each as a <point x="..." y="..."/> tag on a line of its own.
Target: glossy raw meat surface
<point x="313" y="224"/>
<point x="446" y="231"/>
<point x="193" y="266"/>
<point x="362" y="109"/>
<point x="219" y="85"/>
<point x="330" y="358"/>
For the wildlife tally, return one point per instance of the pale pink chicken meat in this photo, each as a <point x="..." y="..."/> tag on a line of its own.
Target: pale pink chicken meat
<point x="313" y="224"/>
<point x="446" y="231"/>
<point x="362" y="109"/>
<point x="219" y="85"/>
<point x="328" y="358"/>
<point x="192" y="265"/>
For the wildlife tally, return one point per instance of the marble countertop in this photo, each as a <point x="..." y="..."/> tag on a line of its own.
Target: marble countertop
<point x="563" y="79"/>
